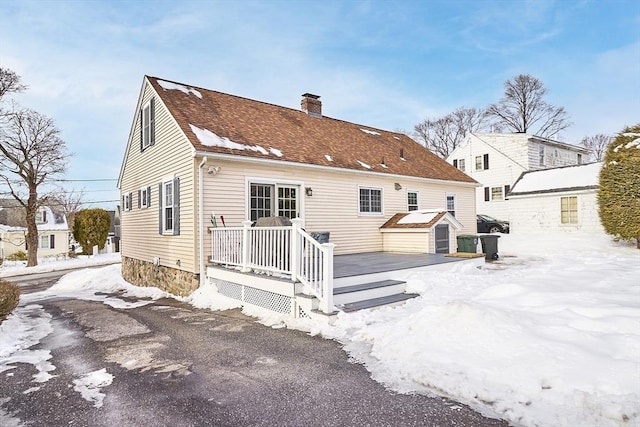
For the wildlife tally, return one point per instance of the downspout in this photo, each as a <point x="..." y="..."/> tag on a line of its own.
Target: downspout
<point x="201" y="220"/>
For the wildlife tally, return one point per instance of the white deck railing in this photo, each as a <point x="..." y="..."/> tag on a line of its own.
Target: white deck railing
<point x="285" y="250"/>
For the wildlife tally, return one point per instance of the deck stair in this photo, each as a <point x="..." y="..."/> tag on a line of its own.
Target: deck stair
<point x="361" y="296"/>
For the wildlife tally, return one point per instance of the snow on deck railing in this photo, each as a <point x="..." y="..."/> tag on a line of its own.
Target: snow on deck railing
<point x="283" y="249"/>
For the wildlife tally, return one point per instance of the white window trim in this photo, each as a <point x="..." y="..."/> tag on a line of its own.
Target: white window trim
<point x="407" y="198"/>
<point x="275" y="182"/>
<point x="446" y="205"/>
<point x="166" y="181"/>
<point x="146" y="120"/>
<point x="43" y="237"/>
<point x="367" y="187"/>
<point x="144" y="196"/>
<point x="501" y="192"/>
<point x="570" y="224"/>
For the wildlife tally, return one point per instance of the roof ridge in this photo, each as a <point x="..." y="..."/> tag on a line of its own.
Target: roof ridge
<point x="275" y="105"/>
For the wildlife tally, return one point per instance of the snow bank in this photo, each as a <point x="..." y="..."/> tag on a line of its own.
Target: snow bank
<point x="548" y="336"/>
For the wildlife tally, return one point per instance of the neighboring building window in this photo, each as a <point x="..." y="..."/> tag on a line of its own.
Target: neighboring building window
<point x="370" y="200"/>
<point x="461" y="164"/>
<point x="482" y="162"/>
<point x="478" y="163"/>
<point x="412" y="201"/>
<point x="541" y="155"/>
<point x="496" y="193"/>
<point x="273" y="200"/>
<point x="579" y="158"/>
<point x="48" y="242"/>
<point x="169" y="207"/>
<point x="144" y="198"/>
<point x="147" y="124"/>
<point x="451" y="204"/>
<point x="569" y="210"/>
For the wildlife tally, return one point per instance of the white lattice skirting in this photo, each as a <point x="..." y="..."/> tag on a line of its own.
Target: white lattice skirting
<point x="256" y="297"/>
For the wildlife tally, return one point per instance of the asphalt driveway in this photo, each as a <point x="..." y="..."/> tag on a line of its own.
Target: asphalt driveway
<point x="174" y="365"/>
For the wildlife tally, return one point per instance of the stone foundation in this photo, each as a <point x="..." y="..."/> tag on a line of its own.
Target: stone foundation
<point x="172" y="280"/>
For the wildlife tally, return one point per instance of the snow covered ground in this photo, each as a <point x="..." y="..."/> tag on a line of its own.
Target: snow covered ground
<point x="547" y="336"/>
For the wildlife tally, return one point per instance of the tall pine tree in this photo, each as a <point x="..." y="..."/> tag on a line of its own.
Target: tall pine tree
<point x="619" y="192"/>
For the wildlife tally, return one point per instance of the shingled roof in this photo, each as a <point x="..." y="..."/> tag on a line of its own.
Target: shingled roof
<point x="215" y="122"/>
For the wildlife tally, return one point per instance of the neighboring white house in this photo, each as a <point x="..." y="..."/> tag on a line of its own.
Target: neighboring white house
<point x="558" y="199"/>
<point x="496" y="160"/>
<point x="53" y="233"/>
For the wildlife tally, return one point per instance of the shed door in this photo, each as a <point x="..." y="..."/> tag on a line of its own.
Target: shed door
<point x="442" y="239"/>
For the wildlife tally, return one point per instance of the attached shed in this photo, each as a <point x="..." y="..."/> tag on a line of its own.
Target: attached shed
<point x="560" y="199"/>
<point x="421" y="231"/>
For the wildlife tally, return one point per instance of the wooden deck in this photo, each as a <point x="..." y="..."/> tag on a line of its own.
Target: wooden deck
<point x="381" y="262"/>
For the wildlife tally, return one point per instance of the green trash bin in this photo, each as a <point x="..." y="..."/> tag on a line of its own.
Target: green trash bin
<point x="467" y="243"/>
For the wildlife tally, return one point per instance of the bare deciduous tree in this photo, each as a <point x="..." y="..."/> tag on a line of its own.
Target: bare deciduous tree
<point x="69" y="202"/>
<point x="444" y="134"/>
<point x="523" y="108"/>
<point x="9" y="82"/>
<point x="31" y="154"/>
<point x="597" y="144"/>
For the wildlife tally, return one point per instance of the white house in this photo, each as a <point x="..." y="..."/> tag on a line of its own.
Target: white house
<point x="53" y="232"/>
<point x="496" y="160"/>
<point x="559" y="199"/>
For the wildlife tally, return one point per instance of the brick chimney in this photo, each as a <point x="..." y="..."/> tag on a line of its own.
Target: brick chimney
<point x="311" y="104"/>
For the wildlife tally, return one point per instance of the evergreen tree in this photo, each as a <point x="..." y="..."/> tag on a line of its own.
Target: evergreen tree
<point x="91" y="228"/>
<point x="619" y="192"/>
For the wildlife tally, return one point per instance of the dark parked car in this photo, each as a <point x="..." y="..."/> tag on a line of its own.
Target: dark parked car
<point x="487" y="224"/>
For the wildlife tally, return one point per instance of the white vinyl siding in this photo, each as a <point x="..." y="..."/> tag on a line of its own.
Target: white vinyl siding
<point x="334" y="203"/>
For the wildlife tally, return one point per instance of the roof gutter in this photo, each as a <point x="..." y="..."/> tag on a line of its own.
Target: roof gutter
<point x="248" y="159"/>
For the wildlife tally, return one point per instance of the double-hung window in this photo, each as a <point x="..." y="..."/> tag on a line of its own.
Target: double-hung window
<point x="451" y="204"/>
<point x="47" y="242"/>
<point x="370" y="200"/>
<point x="496" y="193"/>
<point x="541" y="155"/>
<point x="569" y="210"/>
<point x="144" y="197"/>
<point x="147" y="124"/>
<point x="169" y="206"/>
<point x="412" y="201"/>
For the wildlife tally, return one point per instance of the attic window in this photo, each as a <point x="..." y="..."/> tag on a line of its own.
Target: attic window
<point x="147" y="125"/>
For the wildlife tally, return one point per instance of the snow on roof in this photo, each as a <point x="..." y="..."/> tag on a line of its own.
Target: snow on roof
<point x="364" y="165"/>
<point x="419" y="217"/>
<point x="328" y="157"/>
<point x="174" y="86"/>
<point x="210" y="139"/>
<point x="547" y="180"/>
<point x="370" y="132"/>
<point x="275" y="151"/>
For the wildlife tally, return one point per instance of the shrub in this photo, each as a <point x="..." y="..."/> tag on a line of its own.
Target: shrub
<point x="9" y="298"/>
<point x="91" y="228"/>
<point x="18" y="256"/>
<point x="619" y="192"/>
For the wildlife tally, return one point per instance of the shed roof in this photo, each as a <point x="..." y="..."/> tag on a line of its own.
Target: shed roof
<point x="216" y="122"/>
<point x="419" y="219"/>
<point x="566" y="178"/>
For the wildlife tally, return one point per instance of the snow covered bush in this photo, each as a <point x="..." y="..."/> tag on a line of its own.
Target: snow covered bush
<point x="619" y="191"/>
<point x="9" y="298"/>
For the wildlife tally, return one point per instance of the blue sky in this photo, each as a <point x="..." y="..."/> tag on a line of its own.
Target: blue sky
<point x="386" y="64"/>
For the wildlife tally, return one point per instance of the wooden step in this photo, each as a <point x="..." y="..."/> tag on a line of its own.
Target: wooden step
<point x="366" y="286"/>
<point x="375" y="302"/>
